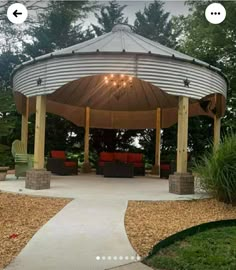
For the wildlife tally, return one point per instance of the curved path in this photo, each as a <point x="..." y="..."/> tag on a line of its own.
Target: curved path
<point x="89" y="226"/>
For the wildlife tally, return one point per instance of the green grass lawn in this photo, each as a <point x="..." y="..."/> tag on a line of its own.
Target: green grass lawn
<point x="214" y="249"/>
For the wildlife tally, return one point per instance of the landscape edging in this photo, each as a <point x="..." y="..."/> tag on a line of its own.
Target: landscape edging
<point x="189" y="232"/>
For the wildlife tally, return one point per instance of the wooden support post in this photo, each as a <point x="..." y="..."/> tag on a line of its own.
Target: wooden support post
<point x="86" y="168"/>
<point x="39" y="143"/>
<point x="158" y="137"/>
<point x="217" y="120"/>
<point x="86" y="135"/>
<point x="182" y="141"/>
<point x="156" y="167"/>
<point x="24" y="124"/>
<point x="217" y="125"/>
<point x="182" y="182"/>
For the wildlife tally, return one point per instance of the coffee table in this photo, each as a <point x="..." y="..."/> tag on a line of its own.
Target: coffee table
<point x="118" y="169"/>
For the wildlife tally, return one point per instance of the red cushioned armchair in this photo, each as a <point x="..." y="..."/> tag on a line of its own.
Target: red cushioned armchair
<point x="167" y="168"/>
<point x="59" y="164"/>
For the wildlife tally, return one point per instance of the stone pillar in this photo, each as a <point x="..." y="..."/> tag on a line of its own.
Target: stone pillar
<point x="156" y="167"/>
<point x="182" y="182"/>
<point x="39" y="178"/>
<point x="86" y="167"/>
<point x="24" y="124"/>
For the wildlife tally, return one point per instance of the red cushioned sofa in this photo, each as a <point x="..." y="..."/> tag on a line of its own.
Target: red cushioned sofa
<point x="135" y="158"/>
<point x="58" y="163"/>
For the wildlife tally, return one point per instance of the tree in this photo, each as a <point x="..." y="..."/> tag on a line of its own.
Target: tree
<point x="112" y="140"/>
<point x="109" y="16"/>
<point x="59" y="27"/>
<point x="155" y="23"/>
<point x="8" y="115"/>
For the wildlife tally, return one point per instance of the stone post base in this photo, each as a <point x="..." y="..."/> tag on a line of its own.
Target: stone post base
<point x="38" y="179"/>
<point x="155" y="170"/>
<point x="86" y="167"/>
<point x="2" y="176"/>
<point x="181" y="183"/>
<point x="3" y="173"/>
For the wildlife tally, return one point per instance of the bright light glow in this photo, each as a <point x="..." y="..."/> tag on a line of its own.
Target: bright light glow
<point x="118" y="80"/>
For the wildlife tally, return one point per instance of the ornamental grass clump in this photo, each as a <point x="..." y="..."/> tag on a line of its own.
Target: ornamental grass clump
<point x="217" y="170"/>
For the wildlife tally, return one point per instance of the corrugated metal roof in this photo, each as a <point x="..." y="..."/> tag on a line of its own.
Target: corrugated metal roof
<point x="123" y="39"/>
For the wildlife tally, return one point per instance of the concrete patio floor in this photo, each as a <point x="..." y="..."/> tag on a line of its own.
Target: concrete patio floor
<point x="89" y="185"/>
<point x="89" y="233"/>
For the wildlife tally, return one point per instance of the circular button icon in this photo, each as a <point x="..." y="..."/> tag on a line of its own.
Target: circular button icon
<point x="215" y="13"/>
<point x="17" y="13"/>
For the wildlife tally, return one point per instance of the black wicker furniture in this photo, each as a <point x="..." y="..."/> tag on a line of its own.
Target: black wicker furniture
<point x="118" y="169"/>
<point x="59" y="164"/>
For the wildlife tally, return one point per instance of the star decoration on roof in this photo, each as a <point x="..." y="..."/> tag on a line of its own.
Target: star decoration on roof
<point x="186" y="82"/>
<point x="39" y="81"/>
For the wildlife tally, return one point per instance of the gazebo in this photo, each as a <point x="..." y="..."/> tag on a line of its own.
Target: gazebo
<point x="119" y="80"/>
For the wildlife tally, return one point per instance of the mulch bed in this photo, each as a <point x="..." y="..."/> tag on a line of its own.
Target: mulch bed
<point x="21" y="216"/>
<point x="149" y="222"/>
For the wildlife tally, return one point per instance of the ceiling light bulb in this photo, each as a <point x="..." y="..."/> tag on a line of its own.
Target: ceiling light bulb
<point x="130" y="78"/>
<point x="122" y="75"/>
<point x="124" y="83"/>
<point x="105" y="78"/>
<point x="112" y="75"/>
<point x="114" y="83"/>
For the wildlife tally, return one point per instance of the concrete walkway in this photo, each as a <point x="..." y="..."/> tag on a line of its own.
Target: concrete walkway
<point x="89" y="233"/>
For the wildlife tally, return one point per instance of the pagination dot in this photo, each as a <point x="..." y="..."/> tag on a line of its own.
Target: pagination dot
<point x="98" y="258"/>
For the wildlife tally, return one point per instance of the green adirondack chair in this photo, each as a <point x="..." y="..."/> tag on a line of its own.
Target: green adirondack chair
<point x="23" y="161"/>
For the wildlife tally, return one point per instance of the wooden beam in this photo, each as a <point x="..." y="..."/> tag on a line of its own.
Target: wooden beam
<point x="217" y="125"/>
<point x="24" y="124"/>
<point x="39" y="143"/>
<point x="158" y="138"/>
<point x="182" y="140"/>
<point x="86" y="135"/>
<point x="217" y="120"/>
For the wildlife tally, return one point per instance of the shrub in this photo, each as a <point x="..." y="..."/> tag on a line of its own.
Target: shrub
<point x="217" y="170"/>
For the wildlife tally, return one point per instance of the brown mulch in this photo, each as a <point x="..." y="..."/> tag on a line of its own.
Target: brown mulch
<point x="149" y="222"/>
<point x="21" y="216"/>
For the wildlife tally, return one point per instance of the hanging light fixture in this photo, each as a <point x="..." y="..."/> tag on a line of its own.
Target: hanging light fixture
<point x="119" y="81"/>
<point x="118" y="84"/>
